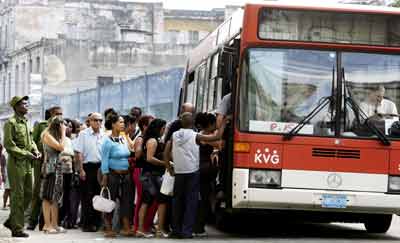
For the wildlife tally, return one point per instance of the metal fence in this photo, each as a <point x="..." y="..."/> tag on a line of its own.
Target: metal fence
<point x="157" y="94"/>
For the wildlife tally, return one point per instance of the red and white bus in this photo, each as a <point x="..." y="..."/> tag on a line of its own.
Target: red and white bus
<point x="302" y="138"/>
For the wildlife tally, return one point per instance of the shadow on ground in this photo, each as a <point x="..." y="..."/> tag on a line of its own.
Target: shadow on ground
<point x="274" y="229"/>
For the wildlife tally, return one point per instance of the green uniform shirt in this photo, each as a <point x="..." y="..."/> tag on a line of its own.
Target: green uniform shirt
<point x="37" y="133"/>
<point x="17" y="138"/>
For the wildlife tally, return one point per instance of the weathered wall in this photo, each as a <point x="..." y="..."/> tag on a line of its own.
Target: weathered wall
<point x="35" y="22"/>
<point x="190" y="27"/>
<point x="85" y="20"/>
<point x="189" y="24"/>
<point x="107" y="20"/>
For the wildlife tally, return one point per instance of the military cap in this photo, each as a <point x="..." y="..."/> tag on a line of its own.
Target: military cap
<point x="17" y="99"/>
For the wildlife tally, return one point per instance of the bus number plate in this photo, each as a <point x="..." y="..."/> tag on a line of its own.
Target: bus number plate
<point x="334" y="201"/>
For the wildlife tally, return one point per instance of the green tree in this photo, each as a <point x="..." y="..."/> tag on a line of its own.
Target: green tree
<point x="396" y="3"/>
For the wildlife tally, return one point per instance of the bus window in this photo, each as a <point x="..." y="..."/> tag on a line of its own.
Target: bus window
<point x="190" y="89"/>
<point x="205" y="90"/>
<point x="211" y="95"/>
<point x="218" y="91"/>
<point x="213" y="81"/>
<point x="200" y="87"/>
<point x="317" y="26"/>
<point x="214" y="66"/>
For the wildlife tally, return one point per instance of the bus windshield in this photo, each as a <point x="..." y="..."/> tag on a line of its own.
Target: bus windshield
<point x="372" y="82"/>
<point x="280" y="87"/>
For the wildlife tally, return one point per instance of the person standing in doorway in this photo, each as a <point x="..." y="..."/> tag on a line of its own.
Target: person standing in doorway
<point x="21" y="151"/>
<point x="88" y="148"/>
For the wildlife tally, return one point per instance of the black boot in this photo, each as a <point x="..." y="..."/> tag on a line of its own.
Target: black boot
<point x="7" y="224"/>
<point x="20" y="234"/>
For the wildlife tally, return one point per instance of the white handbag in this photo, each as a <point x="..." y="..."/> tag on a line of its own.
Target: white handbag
<point x="167" y="185"/>
<point x="102" y="204"/>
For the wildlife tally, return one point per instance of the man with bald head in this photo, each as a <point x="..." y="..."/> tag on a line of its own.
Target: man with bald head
<point x="88" y="148"/>
<point x="183" y="149"/>
<point x="176" y="125"/>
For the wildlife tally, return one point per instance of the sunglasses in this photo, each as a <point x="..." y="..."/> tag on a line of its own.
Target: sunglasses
<point x="97" y="120"/>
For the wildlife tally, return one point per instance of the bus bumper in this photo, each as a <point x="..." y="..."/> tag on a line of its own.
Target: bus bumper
<point x="244" y="197"/>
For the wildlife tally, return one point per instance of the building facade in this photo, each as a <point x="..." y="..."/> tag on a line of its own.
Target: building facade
<point x="71" y="44"/>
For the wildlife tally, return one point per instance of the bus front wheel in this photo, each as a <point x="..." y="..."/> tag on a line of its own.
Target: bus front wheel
<point x="379" y="223"/>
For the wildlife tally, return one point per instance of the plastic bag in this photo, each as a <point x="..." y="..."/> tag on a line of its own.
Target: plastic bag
<point x="167" y="186"/>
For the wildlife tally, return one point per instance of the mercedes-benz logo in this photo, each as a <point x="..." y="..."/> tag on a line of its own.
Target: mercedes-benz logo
<point x="334" y="180"/>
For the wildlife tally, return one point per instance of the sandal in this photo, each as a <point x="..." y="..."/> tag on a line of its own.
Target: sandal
<point x="162" y="234"/>
<point x="50" y="231"/>
<point x="141" y="234"/>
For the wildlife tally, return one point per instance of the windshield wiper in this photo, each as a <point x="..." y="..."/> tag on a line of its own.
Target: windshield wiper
<point x="324" y="101"/>
<point x="357" y="110"/>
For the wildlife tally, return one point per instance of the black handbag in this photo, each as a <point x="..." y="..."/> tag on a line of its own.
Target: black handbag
<point x="75" y="180"/>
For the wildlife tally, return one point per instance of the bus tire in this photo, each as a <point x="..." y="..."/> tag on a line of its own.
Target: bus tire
<point x="379" y="223"/>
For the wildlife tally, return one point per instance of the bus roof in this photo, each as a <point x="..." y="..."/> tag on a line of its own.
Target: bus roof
<point x="220" y="36"/>
<point x="356" y="8"/>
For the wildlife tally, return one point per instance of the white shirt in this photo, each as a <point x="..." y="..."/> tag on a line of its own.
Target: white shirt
<point x="185" y="151"/>
<point x="385" y="107"/>
<point x="225" y="107"/>
<point x="89" y="144"/>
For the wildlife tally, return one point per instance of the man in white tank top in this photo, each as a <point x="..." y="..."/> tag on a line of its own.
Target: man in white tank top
<point x="184" y="151"/>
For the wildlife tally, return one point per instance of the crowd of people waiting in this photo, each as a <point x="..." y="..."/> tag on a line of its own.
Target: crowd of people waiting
<point x="125" y="155"/>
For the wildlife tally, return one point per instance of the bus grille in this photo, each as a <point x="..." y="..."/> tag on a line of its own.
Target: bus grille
<point x="336" y="153"/>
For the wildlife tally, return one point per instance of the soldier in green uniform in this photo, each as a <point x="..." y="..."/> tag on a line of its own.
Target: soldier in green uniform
<point x="37" y="166"/>
<point x="21" y="152"/>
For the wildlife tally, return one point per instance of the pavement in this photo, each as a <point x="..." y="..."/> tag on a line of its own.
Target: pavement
<point x="245" y="232"/>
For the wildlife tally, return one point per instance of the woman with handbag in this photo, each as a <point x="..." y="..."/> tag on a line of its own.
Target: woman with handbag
<point x="51" y="192"/>
<point x="116" y="176"/>
<point x="151" y="178"/>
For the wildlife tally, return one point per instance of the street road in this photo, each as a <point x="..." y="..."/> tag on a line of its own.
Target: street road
<point x="244" y="232"/>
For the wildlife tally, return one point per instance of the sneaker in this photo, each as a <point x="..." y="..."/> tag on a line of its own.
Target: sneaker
<point x="20" y="234"/>
<point x="141" y="234"/>
<point x="200" y="235"/>
<point x="163" y="234"/>
<point x="61" y="230"/>
<point x="31" y="227"/>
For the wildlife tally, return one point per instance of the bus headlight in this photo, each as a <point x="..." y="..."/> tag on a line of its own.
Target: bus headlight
<point x="265" y="178"/>
<point x="394" y="184"/>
